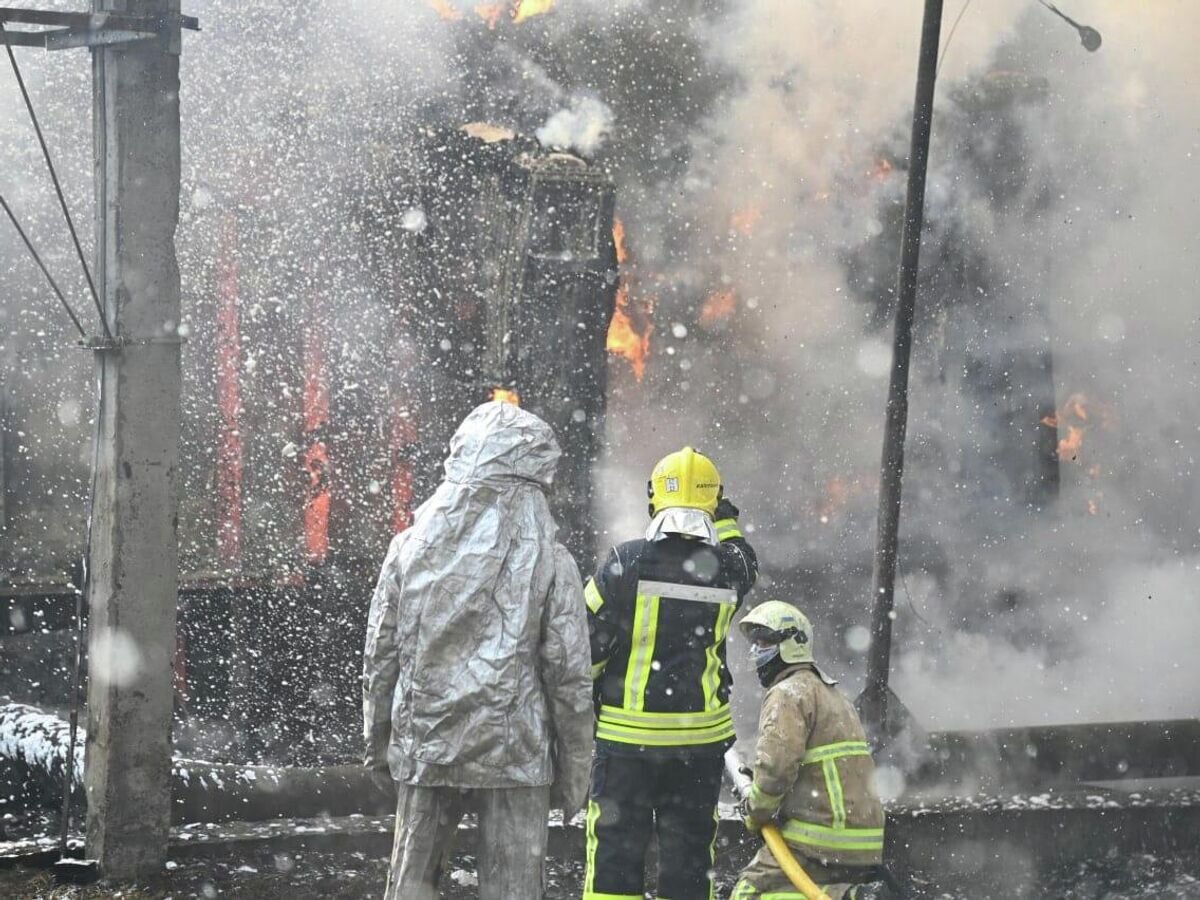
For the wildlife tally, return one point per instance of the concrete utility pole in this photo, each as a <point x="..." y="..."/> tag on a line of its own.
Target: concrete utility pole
<point x="133" y="559"/>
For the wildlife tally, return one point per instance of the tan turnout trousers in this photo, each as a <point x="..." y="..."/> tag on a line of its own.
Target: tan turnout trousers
<point x="763" y="879"/>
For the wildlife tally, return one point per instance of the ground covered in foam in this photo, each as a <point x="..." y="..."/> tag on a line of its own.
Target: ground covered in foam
<point x="301" y="876"/>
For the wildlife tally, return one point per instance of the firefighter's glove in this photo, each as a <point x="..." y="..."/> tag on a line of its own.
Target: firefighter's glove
<point x="754" y="818"/>
<point x="725" y="510"/>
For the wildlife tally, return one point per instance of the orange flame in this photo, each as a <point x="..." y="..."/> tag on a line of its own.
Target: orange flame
<point x="838" y="493"/>
<point x="619" y="240"/>
<point x="494" y="11"/>
<point x="744" y="220"/>
<point x="883" y="168"/>
<point x="1073" y="416"/>
<point x="1069" y="446"/>
<point x="623" y="338"/>
<point x="717" y="308"/>
<point x="527" y="9"/>
<point x="490" y="13"/>
<point x="316" y="509"/>
<point x="504" y="395"/>
<point x="445" y="9"/>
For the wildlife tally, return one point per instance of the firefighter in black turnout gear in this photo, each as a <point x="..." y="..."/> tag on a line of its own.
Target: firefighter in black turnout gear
<point x="659" y="611"/>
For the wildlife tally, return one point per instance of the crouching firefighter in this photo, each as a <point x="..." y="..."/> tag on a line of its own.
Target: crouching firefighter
<point x="813" y="771"/>
<point x="659" y="611"/>
<point x="476" y="695"/>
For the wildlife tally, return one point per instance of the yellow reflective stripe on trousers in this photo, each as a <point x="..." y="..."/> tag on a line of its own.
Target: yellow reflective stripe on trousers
<point x="589" y="877"/>
<point x="641" y="654"/>
<point x="836" y="751"/>
<point x="746" y="891"/>
<point x="676" y="720"/>
<point x="711" y="680"/>
<point x="592" y="596"/>
<point x="833" y="787"/>
<point x="598" y="669"/>
<point x="822" y="836"/>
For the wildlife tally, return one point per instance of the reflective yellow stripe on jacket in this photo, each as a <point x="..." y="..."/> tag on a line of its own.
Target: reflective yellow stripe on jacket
<point x="836" y="751"/>
<point x="836" y="837"/>
<point x="664" y="729"/>
<point x="631" y="723"/>
<point x="711" y="680"/>
<point x="641" y="651"/>
<point x="591" y="594"/>
<point x="727" y="528"/>
<point x="824" y="837"/>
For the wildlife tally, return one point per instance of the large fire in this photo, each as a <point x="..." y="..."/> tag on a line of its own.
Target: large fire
<point x="717" y="308"/>
<point x="624" y="338"/>
<point x="493" y="12"/>
<point x="445" y="9"/>
<point x="619" y="240"/>
<point x="527" y="9"/>
<point x="490" y="13"/>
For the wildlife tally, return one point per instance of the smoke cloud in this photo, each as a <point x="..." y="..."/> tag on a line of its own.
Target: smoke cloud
<point x="759" y="149"/>
<point x="1056" y="221"/>
<point x="583" y="127"/>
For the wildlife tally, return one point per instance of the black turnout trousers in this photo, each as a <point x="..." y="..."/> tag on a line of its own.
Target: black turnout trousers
<point x="636" y="795"/>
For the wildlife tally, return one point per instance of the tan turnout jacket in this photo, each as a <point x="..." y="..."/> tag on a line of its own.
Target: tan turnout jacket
<point x="813" y="768"/>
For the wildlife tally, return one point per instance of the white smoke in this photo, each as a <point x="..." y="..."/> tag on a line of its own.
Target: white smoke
<point x="1096" y="227"/>
<point x="583" y="126"/>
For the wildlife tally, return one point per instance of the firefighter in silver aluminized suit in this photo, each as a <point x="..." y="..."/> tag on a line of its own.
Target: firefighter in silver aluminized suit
<point x="477" y="692"/>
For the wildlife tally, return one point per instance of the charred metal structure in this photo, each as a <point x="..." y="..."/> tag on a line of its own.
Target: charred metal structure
<point x="510" y="277"/>
<point x="304" y="451"/>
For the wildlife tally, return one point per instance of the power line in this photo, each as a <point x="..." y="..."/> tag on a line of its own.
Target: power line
<point x="37" y="259"/>
<point x="62" y="201"/>
<point x="949" y="37"/>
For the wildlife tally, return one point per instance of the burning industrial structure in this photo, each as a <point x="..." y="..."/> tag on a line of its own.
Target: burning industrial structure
<point x="702" y="248"/>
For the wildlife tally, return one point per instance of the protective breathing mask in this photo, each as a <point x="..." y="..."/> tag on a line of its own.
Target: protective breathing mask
<point x="762" y="654"/>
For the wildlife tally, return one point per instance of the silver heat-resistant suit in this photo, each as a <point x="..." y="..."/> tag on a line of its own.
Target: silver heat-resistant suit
<point x="477" y="684"/>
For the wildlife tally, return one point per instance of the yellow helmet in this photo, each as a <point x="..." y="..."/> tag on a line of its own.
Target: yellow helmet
<point x="783" y="625"/>
<point x="684" y="478"/>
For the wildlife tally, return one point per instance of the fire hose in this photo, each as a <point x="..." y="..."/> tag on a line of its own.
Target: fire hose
<point x="800" y="879"/>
